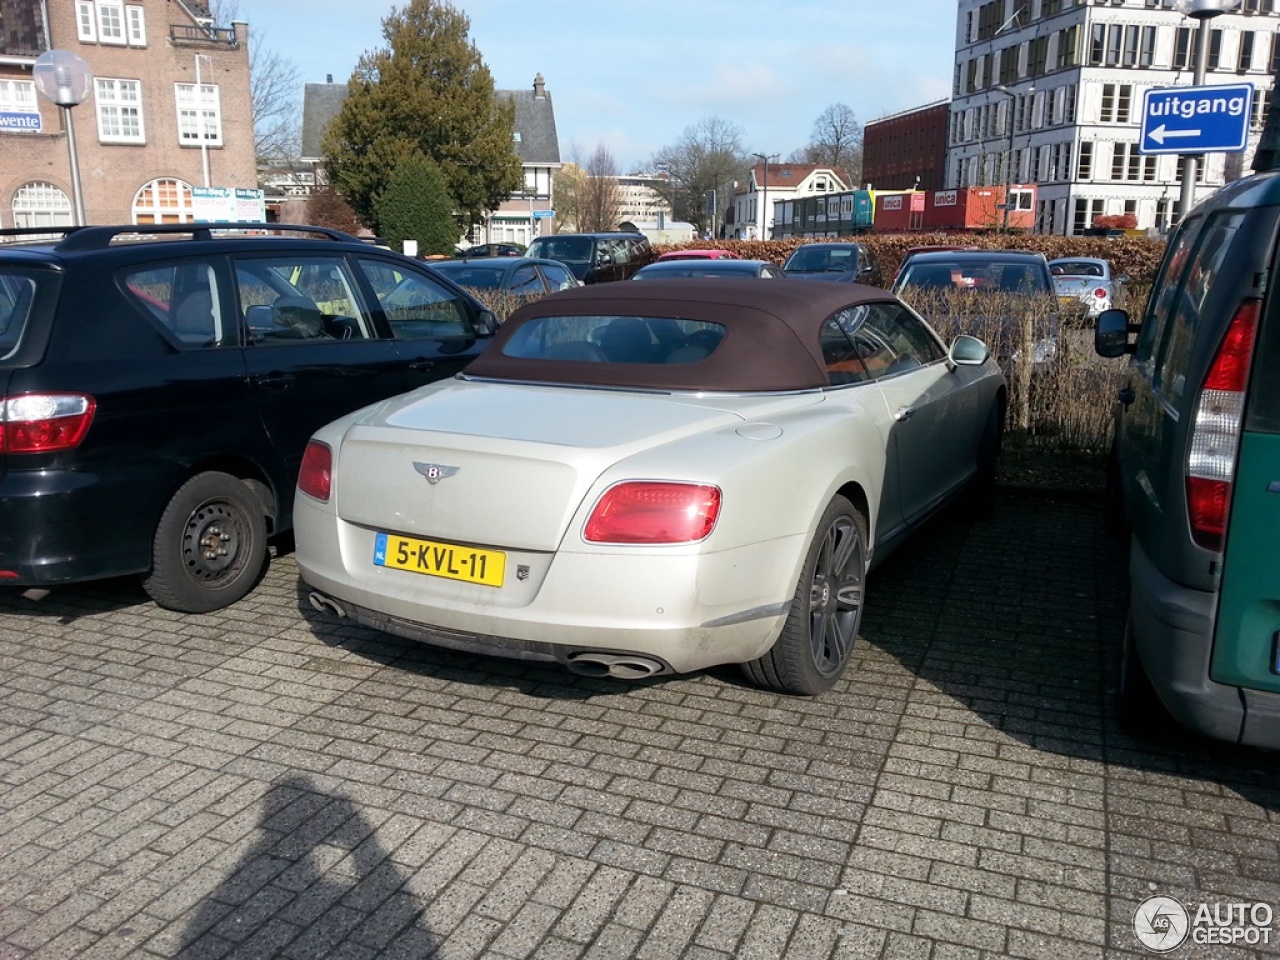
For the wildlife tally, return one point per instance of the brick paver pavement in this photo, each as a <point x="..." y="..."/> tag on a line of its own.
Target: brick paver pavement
<point x="268" y="782"/>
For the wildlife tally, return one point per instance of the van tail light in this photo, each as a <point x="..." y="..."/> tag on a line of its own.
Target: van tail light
<point x="1215" y="432"/>
<point x="647" y="511"/>
<point x="315" y="478"/>
<point x="44" y="422"/>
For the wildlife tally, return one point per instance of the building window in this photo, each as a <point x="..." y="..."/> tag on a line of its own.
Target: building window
<point x="1182" y="49"/>
<point x="86" y="22"/>
<point x="41" y="204"/>
<point x="1116" y="102"/>
<point x="1069" y="103"/>
<point x="1085" y="167"/>
<point x="135" y="25"/>
<point x="163" y="201"/>
<point x="110" y="21"/>
<point x="18" y="96"/>
<point x="1115" y="41"/>
<point x="199" y="114"/>
<point x="1068" y="43"/>
<point x="1097" y="44"/>
<point x="1245" y="60"/>
<point x="119" y="110"/>
<point x="1085" y="211"/>
<point x="1037" y="56"/>
<point x="1215" y="49"/>
<point x="1147" y="47"/>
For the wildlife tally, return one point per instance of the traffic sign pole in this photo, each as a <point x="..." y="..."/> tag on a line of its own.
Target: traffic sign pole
<point x="1191" y="164"/>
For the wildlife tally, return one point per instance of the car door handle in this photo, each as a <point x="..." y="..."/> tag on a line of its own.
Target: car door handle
<point x="905" y="413"/>
<point x="417" y="366"/>
<point x="275" y="381"/>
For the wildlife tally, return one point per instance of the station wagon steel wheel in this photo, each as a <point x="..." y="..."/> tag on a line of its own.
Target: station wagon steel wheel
<point x="210" y="545"/>
<point x="822" y="626"/>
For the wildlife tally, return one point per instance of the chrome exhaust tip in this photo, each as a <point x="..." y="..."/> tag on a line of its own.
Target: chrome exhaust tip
<point x="322" y="604"/>
<point x="619" y="666"/>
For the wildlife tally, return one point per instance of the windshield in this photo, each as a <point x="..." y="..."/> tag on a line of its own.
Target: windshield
<point x="821" y="260"/>
<point x="479" y="276"/>
<point x="564" y="249"/>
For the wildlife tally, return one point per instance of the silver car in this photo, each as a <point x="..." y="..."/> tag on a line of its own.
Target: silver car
<point x="649" y="478"/>
<point x="1086" y="280"/>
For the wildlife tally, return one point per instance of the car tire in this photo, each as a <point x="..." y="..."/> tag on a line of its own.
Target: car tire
<point x="1138" y="707"/>
<point x="817" y="640"/>
<point x="210" y="547"/>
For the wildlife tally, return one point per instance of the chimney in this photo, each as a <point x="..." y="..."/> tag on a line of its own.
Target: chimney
<point x="328" y="78"/>
<point x="539" y="88"/>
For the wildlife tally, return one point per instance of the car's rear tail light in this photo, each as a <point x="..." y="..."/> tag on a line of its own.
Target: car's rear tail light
<point x="315" y="478"/>
<point x="645" y="511"/>
<point x="1100" y="293"/>
<point x="1215" y="432"/>
<point x="44" y="422"/>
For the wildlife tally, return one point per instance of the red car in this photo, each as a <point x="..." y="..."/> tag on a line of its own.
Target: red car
<point x="699" y="255"/>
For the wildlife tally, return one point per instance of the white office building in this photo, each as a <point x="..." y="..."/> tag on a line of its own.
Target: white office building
<point x="1057" y="86"/>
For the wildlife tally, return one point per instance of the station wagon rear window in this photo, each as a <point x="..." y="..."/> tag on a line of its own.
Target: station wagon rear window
<point x="615" y="339"/>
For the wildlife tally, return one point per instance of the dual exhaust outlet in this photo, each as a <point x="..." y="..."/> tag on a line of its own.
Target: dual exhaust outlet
<point x="618" y="666"/>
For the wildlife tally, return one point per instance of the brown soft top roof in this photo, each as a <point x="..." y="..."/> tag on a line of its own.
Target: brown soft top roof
<point x="771" y="339"/>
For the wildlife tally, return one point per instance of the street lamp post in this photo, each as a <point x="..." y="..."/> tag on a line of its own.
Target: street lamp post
<point x="200" y="118"/>
<point x="764" y="196"/>
<point x="1202" y="11"/>
<point x="64" y="78"/>
<point x="1008" y="160"/>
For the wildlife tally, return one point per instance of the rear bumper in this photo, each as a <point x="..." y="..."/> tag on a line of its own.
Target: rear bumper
<point x="67" y="526"/>
<point x="690" y="609"/>
<point x="1173" y="632"/>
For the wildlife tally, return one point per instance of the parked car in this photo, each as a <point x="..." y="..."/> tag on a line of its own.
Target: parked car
<point x="490" y="250"/>
<point x="648" y="478"/>
<point x="1194" y="479"/>
<point x="671" y="269"/>
<point x="846" y="262"/>
<point x="699" y="255"/>
<point x="157" y="392"/>
<point x="1086" y="280"/>
<point x="515" y="276"/>
<point x="596" y="257"/>
<point x="1022" y="277"/>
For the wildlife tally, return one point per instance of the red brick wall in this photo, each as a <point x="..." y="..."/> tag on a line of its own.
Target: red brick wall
<point x="111" y="174"/>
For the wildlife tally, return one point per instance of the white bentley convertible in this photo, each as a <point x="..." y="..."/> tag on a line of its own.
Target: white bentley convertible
<point x="647" y="478"/>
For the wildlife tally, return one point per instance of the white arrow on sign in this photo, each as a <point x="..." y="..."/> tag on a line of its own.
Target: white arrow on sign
<point x="1162" y="133"/>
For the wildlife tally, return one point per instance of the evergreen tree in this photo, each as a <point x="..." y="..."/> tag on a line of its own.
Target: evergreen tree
<point x="427" y="91"/>
<point x="416" y="206"/>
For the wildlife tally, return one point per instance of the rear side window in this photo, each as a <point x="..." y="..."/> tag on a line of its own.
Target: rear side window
<point x="1160" y="308"/>
<point x="182" y="298"/>
<point x="1187" y="307"/>
<point x="17" y="293"/>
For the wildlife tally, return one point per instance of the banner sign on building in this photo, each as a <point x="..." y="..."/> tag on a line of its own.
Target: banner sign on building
<point x="16" y="121"/>
<point x="228" y="205"/>
<point x="945" y="198"/>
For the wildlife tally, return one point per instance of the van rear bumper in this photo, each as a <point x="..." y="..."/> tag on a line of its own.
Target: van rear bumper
<point x="1173" y="632"/>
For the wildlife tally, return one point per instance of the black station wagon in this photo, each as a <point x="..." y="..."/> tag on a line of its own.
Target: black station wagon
<point x="158" y="388"/>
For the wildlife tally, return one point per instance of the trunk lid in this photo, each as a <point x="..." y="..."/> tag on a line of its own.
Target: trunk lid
<point x="507" y="464"/>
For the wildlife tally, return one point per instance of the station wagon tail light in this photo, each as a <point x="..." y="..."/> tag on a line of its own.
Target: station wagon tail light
<point x="44" y="422"/>
<point x="315" y="478"/>
<point x="1215" y="432"/>
<point x="645" y="511"/>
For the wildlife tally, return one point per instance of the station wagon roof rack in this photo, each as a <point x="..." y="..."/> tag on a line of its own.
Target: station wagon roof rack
<point x="76" y="239"/>
<point x="95" y="238"/>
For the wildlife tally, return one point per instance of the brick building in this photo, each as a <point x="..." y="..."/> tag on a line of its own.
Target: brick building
<point x="907" y="150"/>
<point x="169" y="109"/>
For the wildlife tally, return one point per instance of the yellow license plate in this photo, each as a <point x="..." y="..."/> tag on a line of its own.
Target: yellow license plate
<point x="447" y="560"/>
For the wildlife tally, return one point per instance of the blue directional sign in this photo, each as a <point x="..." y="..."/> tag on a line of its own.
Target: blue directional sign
<point x="1196" y="119"/>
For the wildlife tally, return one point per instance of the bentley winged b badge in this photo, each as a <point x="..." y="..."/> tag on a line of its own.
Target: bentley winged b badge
<point x="434" y="472"/>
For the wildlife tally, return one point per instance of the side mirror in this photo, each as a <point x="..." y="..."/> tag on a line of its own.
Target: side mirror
<point x="486" y="323"/>
<point x="967" y="351"/>
<point x="1121" y="280"/>
<point x="1111" y="335"/>
<point x="259" y="317"/>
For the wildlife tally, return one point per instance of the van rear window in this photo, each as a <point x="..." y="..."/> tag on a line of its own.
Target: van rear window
<point x="17" y="293"/>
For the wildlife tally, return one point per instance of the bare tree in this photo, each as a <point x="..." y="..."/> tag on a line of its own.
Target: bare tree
<point x="274" y="88"/>
<point x="836" y="141"/>
<point x="602" y="198"/>
<point x="704" y="163"/>
<point x="568" y="189"/>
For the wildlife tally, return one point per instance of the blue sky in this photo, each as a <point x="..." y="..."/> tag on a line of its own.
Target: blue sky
<point x="632" y="76"/>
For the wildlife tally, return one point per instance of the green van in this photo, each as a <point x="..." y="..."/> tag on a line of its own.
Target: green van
<point x="1194" y="473"/>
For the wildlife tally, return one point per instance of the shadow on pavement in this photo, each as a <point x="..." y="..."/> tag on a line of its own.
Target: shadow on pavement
<point x="316" y="883"/>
